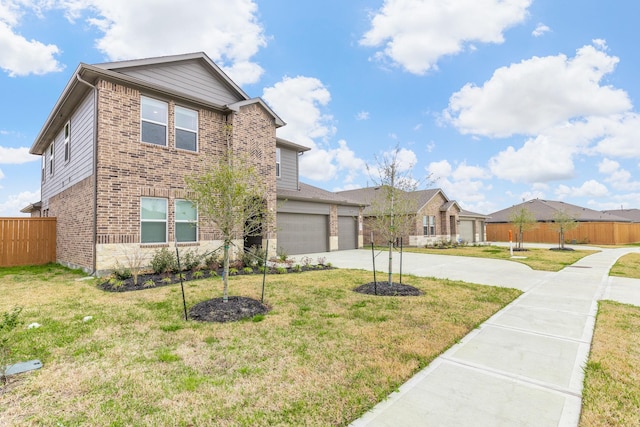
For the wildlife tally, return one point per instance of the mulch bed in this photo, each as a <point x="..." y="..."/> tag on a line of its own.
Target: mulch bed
<point x="236" y="308"/>
<point x="147" y="281"/>
<point x="383" y="288"/>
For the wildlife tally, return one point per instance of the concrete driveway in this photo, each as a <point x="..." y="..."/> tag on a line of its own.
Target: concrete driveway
<point x="524" y="365"/>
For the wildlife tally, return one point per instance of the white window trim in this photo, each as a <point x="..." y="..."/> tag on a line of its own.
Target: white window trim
<point x="165" y="124"/>
<point x="66" y="133"/>
<point x="44" y="167"/>
<point x="166" y="220"/>
<point x="176" y="221"/>
<point x="185" y="129"/>
<point x="278" y="163"/>
<point x="52" y="152"/>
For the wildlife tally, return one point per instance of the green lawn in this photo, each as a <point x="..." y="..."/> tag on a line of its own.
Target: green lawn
<point x="537" y="259"/>
<point x="323" y="355"/>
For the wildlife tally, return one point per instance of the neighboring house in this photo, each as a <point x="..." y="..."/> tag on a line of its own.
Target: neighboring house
<point x="435" y="217"/>
<point x="120" y="140"/>
<point x="473" y="227"/>
<point x="311" y="219"/>
<point x="598" y="227"/>
<point x="631" y="214"/>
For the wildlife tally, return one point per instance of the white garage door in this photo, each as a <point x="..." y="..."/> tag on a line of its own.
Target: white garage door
<point x="302" y="233"/>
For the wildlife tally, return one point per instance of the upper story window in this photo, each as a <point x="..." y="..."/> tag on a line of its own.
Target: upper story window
<point x="186" y="128"/>
<point x="44" y="166"/>
<point x="153" y="220"/>
<point x="67" y="146"/>
<point x="277" y="163"/>
<point x="154" y="121"/>
<point x="51" y="158"/>
<point x="186" y="221"/>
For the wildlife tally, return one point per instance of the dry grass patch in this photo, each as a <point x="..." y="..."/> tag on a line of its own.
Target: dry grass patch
<point x="322" y="356"/>
<point x="537" y="259"/>
<point x="627" y="266"/>
<point x="611" y="395"/>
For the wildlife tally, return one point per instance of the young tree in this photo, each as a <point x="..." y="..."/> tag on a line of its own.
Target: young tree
<point x="562" y="222"/>
<point x="231" y="194"/>
<point x="393" y="209"/>
<point x="523" y="220"/>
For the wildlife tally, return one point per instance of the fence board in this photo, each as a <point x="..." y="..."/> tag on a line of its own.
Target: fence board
<point x="27" y="241"/>
<point x="597" y="233"/>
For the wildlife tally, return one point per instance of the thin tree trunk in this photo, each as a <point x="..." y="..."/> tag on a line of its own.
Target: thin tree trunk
<point x="225" y="273"/>
<point x="390" y="263"/>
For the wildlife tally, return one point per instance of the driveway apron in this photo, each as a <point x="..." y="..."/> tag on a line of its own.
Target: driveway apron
<point x="523" y="366"/>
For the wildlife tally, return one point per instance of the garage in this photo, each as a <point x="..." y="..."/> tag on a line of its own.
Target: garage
<point x="347" y="232"/>
<point x="467" y="233"/>
<point x="302" y="233"/>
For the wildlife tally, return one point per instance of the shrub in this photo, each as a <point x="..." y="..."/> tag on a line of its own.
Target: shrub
<point x="212" y="262"/>
<point x="149" y="284"/>
<point x="164" y="261"/>
<point x="281" y="270"/>
<point x="190" y="260"/>
<point x="233" y="271"/>
<point x="197" y="275"/>
<point x="254" y="257"/>
<point x="322" y="260"/>
<point x="306" y="261"/>
<point x="120" y="272"/>
<point x="247" y="270"/>
<point x="297" y="268"/>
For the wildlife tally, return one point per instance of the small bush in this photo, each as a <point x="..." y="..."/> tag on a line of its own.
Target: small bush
<point x="164" y="261"/>
<point x="247" y="270"/>
<point x="190" y="260"/>
<point x="254" y="257"/>
<point x="281" y="270"/>
<point x="233" y="271"/>
<point x="297" y="268"/>
<point x="197" y="275"/>
<point x="213" y="262"/>
<point x="120" y="272"/>
<point x="149" y="284"/>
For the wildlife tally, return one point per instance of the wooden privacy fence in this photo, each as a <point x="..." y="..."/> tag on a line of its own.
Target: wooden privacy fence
<point x="597" y="233"/>
<point x="27" y="241"/>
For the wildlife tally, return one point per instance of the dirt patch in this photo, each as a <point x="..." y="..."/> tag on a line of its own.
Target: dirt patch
<point x="236" y="308"/>
<point x="383" y="288"/>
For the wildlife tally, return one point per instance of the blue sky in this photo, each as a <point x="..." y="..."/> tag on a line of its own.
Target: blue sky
<point x="495" y="100"/>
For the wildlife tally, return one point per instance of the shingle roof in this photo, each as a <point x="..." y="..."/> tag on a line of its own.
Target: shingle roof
<point x="310" y="193"/>
<point x="368" y="194"/>
<point x="544" y="210"/>
<point x="465" y="213"/>
<point x="631" y="214"/>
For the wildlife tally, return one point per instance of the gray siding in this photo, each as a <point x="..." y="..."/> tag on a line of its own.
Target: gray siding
<point x="80" y="164"/>
<point x="297" y="206"/>
<point x="288" y="169"/>
<point x="348" y="211"/>
<point x="189" y="77"/>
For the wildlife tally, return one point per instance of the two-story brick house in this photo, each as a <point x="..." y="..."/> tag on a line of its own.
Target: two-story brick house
<point x="120" y="140"/>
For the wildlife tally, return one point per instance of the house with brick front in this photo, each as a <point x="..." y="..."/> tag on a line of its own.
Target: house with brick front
<point x="435" y="218"/>
<point x="120" y="140"/>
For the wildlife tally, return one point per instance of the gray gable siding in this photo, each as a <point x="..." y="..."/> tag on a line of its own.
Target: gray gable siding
<point x="189" y="77"/>
<point x="80" y="164"/>
<point x="288" y="169"/>
<point x="298" y="206"/>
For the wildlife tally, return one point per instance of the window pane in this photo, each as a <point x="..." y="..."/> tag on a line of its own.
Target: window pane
<point x="153" y="209"/>
<point x="154" y="133"/>
<point x="186" y="232"/>
<point x="186" y="119"/>
<point x="153" y="232"/>
<point x="154" y="110"/>
<point x="185" y="140"/>
<point x="185" y="211"/>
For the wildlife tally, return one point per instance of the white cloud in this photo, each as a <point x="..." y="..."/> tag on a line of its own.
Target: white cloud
<point x="16" y="156"/>
<point x="618" y="177"/>
<point x="1" y="175"/>
<point x="15" y="202"/>
<point x="591" y="188"/>
<point x="300" y="102"/>
<point x="20" y="56"/>
<point x="608" y="166"/>
<point x="539" y="160"/>
<point x="463" y="183"/>
<point x="537" y="94"/>
<point x="415" y="34"/>
<point x="540" y="30"/>
<point x="362" y="115"/>
<point x="406" y="159"/>
<point x="621" y="136"/>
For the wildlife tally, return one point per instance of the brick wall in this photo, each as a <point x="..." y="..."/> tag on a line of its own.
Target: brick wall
<point x="73" y="209"/>
<point x="128" y="169"/>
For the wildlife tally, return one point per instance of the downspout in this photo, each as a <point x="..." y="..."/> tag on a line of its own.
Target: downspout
<point x="95" y="169"/>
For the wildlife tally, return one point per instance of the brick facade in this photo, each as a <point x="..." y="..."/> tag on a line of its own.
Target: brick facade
<point x="74" y="208"/>
<point x="128" y="169"/>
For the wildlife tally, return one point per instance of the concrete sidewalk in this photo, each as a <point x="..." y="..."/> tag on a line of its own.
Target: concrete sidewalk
<point x="524" y="366"/>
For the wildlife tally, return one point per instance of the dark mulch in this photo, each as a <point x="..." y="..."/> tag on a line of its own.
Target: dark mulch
<point x="383" y="288"/>
<point x="236" y="308"/>
<point x="146" y="281"/>
<point x="561" y="249"/>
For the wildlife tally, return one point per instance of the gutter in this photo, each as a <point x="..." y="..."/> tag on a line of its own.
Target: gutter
<point x="95" y="169"/>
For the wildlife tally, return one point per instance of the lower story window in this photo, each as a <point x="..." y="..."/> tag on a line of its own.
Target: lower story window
<point x="186" y="221"/>
<point x="429" y="225"/>
<point x="153" y="220"/>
